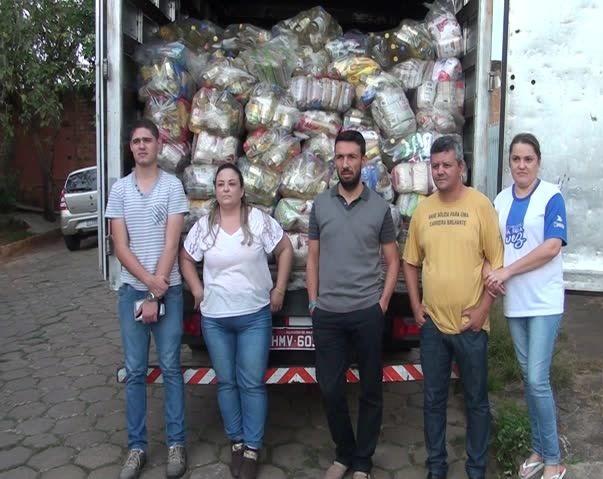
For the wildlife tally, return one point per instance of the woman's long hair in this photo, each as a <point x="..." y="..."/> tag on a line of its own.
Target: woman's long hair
<point x="214" y="212"/>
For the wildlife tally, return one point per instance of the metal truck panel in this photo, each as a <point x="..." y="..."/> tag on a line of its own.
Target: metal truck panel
<point x="554" y="90"/>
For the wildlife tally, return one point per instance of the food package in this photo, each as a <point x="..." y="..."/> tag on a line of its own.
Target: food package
<point x="167" y="79"/>
<point x="321" y="93"/>
<point x="174" y="157"/>
<point x="415" y="146"/>
<point x="406" y="203"/>
<point x="299" y="241"/>
<point x="314" y="122"/>
<point x="444" y="29"/>
<point x="450" y="96"/>
<point x="367" y="88"/>
<point x="271" y="148"/>
<point x="171" y="117"/>
<point x="313" y="27"/>
<point x="413" y="177"/>
<point x="196" y="63"/>
<point x="243" y="36"/>
<point x="413" y="72"/>
<point x="273" y="62"/>
<point x="305" y="177"/>
<point x="270" y="107"/>
<point x="309" y="62"/>
<point x="216" y="112"/>
<point x="376" y="177"/>
<point x="446" y="70"/>
<point x="377" y="48"/>
<point x="396" y="218"/>
<point x="211" y="149"/>
<point x="198" y="181"/>
<point x="442" y="121"/>
<point x="355" y="118"/>
<point x="411" y="40"/>
<point x="354" y="69"/>
<point x="293" y="214"/>
<point x="196" y="209"/>
<point x="371" y="139"/>
<point x="392" y="113"/>
<point x="321" y="145"/>
<point x="269" y="210"/>
<point x="261" y="184"/>
<point x="198" y="35"/>
<point x="224" y="75"/>
<point x="353" y="43"/>
<point x="426" y="94"/>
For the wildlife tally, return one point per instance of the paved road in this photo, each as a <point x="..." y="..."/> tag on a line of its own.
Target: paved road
<point x="62" y="413"/>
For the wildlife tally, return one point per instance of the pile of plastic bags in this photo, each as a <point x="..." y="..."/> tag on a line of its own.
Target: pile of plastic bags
<point x="273" y="102"/>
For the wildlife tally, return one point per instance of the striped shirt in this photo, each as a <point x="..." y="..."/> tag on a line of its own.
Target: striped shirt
<point x="146" y="215"/>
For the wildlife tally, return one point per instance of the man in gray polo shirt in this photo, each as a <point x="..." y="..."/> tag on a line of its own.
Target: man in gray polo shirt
<point x="147" y="210"/>
<point x="350" y="228"/>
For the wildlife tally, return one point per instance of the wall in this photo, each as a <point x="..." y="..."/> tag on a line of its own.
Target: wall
<point x="74" y="147"/>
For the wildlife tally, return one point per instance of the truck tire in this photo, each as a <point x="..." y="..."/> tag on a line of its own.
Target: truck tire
<point x="72" y="242"/>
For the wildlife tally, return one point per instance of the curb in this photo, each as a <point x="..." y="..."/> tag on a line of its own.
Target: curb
<point x="22" y="246"/>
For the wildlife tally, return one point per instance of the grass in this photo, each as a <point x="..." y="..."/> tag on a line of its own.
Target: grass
<point x="512" y="438"/>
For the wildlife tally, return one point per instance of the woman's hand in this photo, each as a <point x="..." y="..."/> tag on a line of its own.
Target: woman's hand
<point x="276" y="299"/>
<point x="198" y="296"/>
<point x="495" y="281"/>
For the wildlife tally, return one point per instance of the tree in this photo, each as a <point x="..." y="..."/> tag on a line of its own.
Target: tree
<point x="46" y="50"/>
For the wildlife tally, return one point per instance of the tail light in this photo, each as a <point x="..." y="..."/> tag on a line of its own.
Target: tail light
<point x="402" y="327"/>
<point x="62" y="202"/>
<point x="192" y="324"/>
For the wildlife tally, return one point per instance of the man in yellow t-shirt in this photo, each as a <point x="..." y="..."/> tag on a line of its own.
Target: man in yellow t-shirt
<point x="451" y="234"/>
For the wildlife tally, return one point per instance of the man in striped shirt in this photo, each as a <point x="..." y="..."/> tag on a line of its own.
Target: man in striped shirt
<point x="147" y="209"/>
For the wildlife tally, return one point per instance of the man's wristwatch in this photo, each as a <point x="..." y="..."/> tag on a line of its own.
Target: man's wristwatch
<point x="151" y="297"/>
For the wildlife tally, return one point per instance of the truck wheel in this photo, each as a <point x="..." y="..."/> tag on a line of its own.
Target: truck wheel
<point x="72" y="242"/>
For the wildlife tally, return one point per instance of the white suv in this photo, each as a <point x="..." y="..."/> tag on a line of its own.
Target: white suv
<point x="78" y="207"/>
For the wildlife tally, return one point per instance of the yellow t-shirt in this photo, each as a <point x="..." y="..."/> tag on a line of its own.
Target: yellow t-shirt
<point x="450" y="242"/>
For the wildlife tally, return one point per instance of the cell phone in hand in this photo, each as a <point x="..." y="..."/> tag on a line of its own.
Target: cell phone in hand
<point x="138" y="309"/>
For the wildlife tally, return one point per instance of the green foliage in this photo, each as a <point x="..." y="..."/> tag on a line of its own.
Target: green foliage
<point x="45" y="50"/>
<point x="8" y="193"/>
<point x="512" y="439"/>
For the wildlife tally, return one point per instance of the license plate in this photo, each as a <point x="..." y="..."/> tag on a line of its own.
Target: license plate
<point x="87" y="224"/>
<point x="292" y="339"/>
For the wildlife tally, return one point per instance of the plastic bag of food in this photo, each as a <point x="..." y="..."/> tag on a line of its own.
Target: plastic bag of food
<point x="411" y="40"/>
<point x="261" y="184"/>
<point x="313" y="122"/>
<point x="414" y="146"/>
<point x="211" y="149"/>
<point x="174" y="157"/>
<point x="446" y="70"/>
<point x="293" y="214"/>
<point x="392" y="113"/>
<point x="196" y="63"/>
<point x="450" y="96"/>
<point x="426" y="93"/>
<point x="441" y="121"/>
<point x="165" y="78"/>
<point x="198" y="35"/>
<point x="198" y="181"/>
<point x="170" y="115"/>
<point x="243" y="36"/>
<point x="377" y="48"/>
<point x="353" y="43"/>
<point x="305" y="177"/>
<point x="376" y="177"/>
<point x="371" y="139"/>
<point x="406" y="203"/>
<point x="413" y="72"/>
<point x="313" y="27"/>
<point x="270" y="107"/>
<point x="196" y="209"/>
<point x="299" y="241"/>
<point x="321" y="146"/>
<point x="223" y="75"/>
<point x="321" y="93"/>
<point x="272" y="148"/>
<point x="367" y="88"/>
<point x="272" y="62"/>
<point x="216" y="112"/>
<point x="154" y="52"/>
<point x="354" y="69"/>
<point x="309" y="62"/>
<point x="444" y="29"/>
<point x="355" y="118"/>
<point x="413" y="177"/>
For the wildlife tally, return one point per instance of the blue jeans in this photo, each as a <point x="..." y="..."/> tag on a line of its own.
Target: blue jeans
<point x="470" y="351"/>
<point x="534" y="340"/>
<point x="136" y="336"/>
<point x="239" y="347"/>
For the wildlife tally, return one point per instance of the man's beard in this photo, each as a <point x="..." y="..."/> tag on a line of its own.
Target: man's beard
<point x="351" y="183"/>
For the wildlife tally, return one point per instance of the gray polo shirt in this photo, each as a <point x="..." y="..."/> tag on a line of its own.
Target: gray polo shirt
<point x="350" y="238"/>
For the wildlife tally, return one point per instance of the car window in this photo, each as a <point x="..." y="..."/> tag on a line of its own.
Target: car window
<point x="81" y="181"/>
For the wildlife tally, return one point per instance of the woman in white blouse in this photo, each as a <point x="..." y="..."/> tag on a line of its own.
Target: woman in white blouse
<point x="236" y="299"/>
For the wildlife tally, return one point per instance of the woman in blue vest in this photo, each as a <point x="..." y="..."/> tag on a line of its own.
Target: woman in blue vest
<point x="533" y="224"/>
